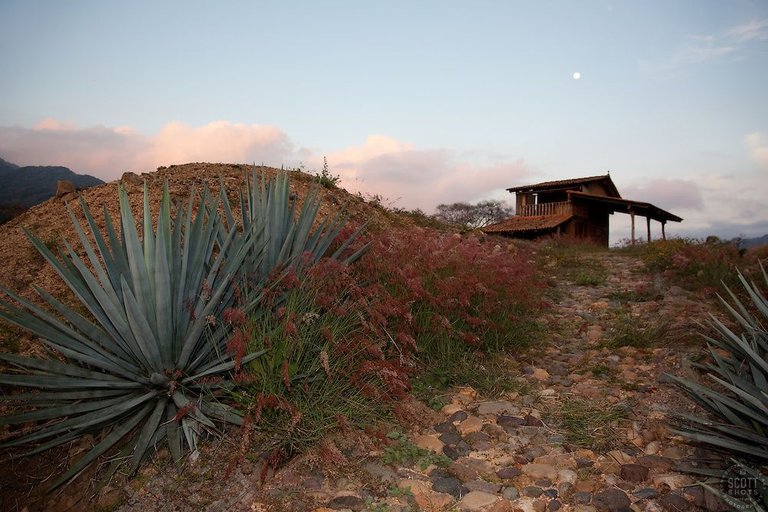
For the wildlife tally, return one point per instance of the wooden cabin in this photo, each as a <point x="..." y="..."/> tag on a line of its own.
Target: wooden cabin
<point x="577" y="208"/>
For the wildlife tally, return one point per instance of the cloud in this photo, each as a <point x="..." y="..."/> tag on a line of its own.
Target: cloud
<point x="407" y="176"/>
<point x="422" y="178"/>
<point x="667" y="193"/>
<point x="703" y="48"/>
<point x="108" y="152"/>
<point x="752" y="30"/>
<point x="757" y="144"/>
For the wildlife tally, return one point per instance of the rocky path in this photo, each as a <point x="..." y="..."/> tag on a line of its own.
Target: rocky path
<point x="586" y="430"/>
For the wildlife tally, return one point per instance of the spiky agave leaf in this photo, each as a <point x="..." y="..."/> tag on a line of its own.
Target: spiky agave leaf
<point x="134" y="369"/>
<point x="288" y="235"/>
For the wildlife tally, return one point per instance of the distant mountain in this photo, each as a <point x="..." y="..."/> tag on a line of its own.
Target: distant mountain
<point x="746" y="243"/>
<point x="22" y="187"/>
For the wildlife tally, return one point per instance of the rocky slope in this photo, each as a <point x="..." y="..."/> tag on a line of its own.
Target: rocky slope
<point x="521" y="451"/>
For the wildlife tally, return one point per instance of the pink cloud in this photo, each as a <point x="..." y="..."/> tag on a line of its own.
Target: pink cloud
<point x="420" y="178"/>
<point x="667" y="193"/>
<point x="107" y="152"/>
<point x="396" y="170"/>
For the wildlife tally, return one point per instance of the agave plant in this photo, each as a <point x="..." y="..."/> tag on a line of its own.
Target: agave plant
<point x="288" y="236"/>
<point x="737" y="398"/>
<point x="139" y="366"/>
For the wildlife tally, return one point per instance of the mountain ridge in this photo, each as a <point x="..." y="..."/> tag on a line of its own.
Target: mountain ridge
<point x="32" y="184"/>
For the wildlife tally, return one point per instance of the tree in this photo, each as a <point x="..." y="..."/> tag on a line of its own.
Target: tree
<point x="474" y="216"/>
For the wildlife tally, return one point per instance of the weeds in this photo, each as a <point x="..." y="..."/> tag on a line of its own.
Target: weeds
<point x="325" y="178"/>
<point x="589" y="423"/>
<point x="403" y="452"/>
<point x="637" y="294"/>
<point x="697" y="265"/>
<point x="627" y="331"/>
<point x="590" y="278"/>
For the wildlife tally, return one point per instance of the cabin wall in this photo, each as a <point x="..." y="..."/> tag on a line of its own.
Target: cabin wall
<point x="595" y="188"/>
<point x="588" y="224"/>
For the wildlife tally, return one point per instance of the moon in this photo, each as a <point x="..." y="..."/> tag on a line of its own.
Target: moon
<point x="576" y="75"/>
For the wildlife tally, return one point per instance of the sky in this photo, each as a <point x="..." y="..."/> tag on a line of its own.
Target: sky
<point x="418" y="102"/>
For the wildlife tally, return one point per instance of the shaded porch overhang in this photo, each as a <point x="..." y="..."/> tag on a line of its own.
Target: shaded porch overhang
<point x="615" y="204"/>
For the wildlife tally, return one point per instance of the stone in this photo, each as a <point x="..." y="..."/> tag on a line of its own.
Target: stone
<point x="496" y="432"/>
<point x="496" y="408"/>
<point x="450" y="409"/>
<point x="477" y="500"/>
<point x="449" y="485"/>
<point x="652" y="448"/>
<point x="482" y="485"/>
<point x="675" y="502"/>
<point x="620" y="457"/>
<point x="510" y="493"/>
<point x="470" y="425"/>
<point x="427" y="499"/>
<point x="508" y="473"/>
<point x="540" y="374"/>
<point x="533" y="421"/>
<point x="634" y="473"/>
<point x="458" y="416"/>
<point x="479" y="441"/>
<point x="467" y="468"/>
<point x="510" y="422"/>
<point x="465" y="395"/>
<point x="532" y="491"/>
<point x="502" y="506"/>
<point x="539" y="506"/>
<point x="354" y="503"/>
<point x="656" y="462"/>
<point x="647" y="493"/>
<point x="536" y="471"/>
<point x="582" y="497"/>
<point x="560" y="460"/>
<point x="611" y="500"/>
<point x="456" y="452"/>
<point x="550" y="493"/>
<point x="429" y="443"/>
<point x="567" y="476"/>
<point x="64" y="187"/>
<point x="697" y="494"/>
<point x="554" y="505"/>
<point x="450" y="438"/>
<point x="446" y="428"/>
<point x="673" y="481"/>
<point x="565" y="490"/>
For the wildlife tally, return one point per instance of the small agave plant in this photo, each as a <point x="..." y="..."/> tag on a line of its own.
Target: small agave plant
<point x="289" y="237"/>
<point x="144" y="365"/>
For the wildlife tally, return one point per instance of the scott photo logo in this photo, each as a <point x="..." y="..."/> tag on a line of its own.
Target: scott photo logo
<point x="744" y="486"/>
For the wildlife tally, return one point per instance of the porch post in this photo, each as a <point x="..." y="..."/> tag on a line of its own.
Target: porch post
<point x="632" y="217"/>
<point x="663" y="234"/>
<point x="648" y="225"/>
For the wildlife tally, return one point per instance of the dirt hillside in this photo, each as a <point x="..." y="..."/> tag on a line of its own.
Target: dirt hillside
<point x="21" y="266"/>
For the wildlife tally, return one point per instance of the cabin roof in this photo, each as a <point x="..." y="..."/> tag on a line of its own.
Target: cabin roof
<point x="615" y="204"/>
<point x="527" y="224"/>
<point x="605" y="179"/>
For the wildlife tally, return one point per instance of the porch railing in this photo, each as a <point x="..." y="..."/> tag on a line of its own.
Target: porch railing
<point x="559" y="208"/>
